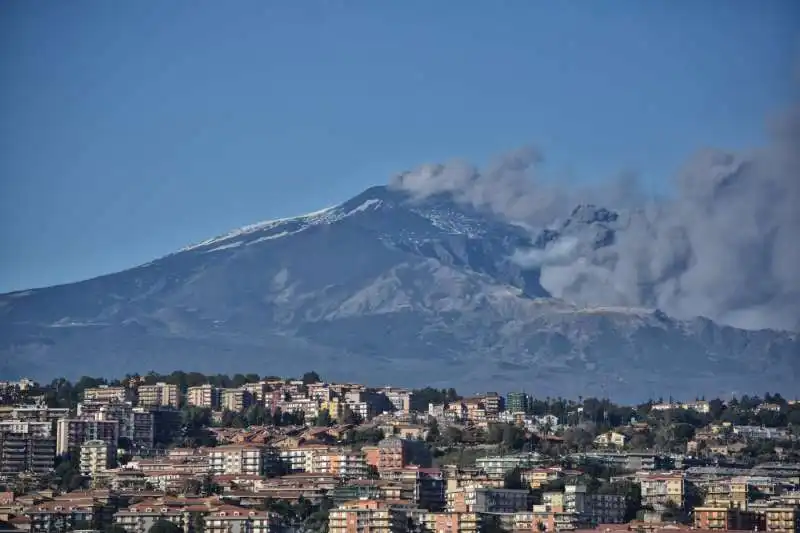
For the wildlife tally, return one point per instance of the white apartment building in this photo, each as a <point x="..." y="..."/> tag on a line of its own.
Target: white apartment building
<point x="310" y="408"/>
<point x="203" y="396"/>
<point x="71" y="433"/>
<point x="104" y="393"/>
<point x="240" y="459"/>
<point x="97" y="456"/>
<point x="400" y="398"/>
<point x="159" y="395"/>
<point x="236" y="400"/>
<point x="27" y="427"/>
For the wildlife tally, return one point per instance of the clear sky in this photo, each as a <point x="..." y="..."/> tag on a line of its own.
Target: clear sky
<point x="129" y="129"/>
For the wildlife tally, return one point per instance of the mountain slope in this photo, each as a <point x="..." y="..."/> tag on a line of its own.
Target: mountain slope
<point x="382" y="288"/>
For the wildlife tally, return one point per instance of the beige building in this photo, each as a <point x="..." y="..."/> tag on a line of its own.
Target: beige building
<point x="240" y="459"/>
<point x="97" y="456"/>
<point x="659" y="490"/>
<point x="361" y="516"/>
<point x="203" y="396"/>
<point x="236" y="400"/>
<point x="159" y="395"/>
<point x="104" y="393"/>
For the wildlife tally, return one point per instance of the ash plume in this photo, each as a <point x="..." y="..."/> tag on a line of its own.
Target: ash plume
<point x="725" y="244"/>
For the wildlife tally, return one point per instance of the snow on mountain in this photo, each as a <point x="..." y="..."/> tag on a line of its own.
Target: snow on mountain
<point x="424" y="292"/>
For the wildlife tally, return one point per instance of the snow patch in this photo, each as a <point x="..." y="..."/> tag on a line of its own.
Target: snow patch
<point x="271" y="237"/>
<point x="224" y="247"/>
<point x="371" y="203"/>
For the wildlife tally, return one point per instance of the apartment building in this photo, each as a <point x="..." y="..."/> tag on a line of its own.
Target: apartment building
<point x="340" y="463"/>
<point x="782" y="519"/>
<point x="20" y="453"/>
<point x="242" y="459"/>
<point x="450" y="522"/>
<point x="500" y="465"/>
<point x="725" y="519"/>
<point x="363" y="516"/>
<point x="39" y="413"/>
<point x="97" y="456"/>
<point x="27" y="427"/>
<point x="320" y="392"/>
<point x="236" y="400"/>
<point x="392" y="454"/>
<point x="106" y="394"/>
<point x="471" y="499"/>
<point x="593" y="509"/>
<point x="659" y="490"/>
<point x="518" y="402"/>
<point x="159" y="395"/>
<point x="298" y="459"/>
<point x="232" y="519"/>
<point x="400" y="398"/>
<point x="73" y="432"/>
<point x="207" y="396"/>
<point x="309" y="408"/>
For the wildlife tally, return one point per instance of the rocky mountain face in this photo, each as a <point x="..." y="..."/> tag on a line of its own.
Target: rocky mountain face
<point x="384" y="289"/>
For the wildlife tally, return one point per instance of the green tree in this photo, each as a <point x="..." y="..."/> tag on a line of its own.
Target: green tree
<point x="513" y="479"/>
<point x="115" y="528"/>
<point x="324" y="418"/>
<point x="164" y="526"/>
<point x="311" y="377"/>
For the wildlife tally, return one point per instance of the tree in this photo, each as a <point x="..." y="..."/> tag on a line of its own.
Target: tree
<point x="513" y="480"/>
<point x="433" y="432"/>
<point x="311" y="377"/>
<point x="115" y="528"/>
<point x="164" y="526"/>
<point x="324" y="418"/>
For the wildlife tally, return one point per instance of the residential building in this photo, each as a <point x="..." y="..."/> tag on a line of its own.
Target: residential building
<point x="27" y="427"/>
<point x="207" y="396"/>
<point x="782" y="519"/>
<point x="242" y="459"/>
<point x="471" y="499"/>
<point x="500" y="465"/>
<point x="725" y="519"/>
<point x="610" y="438"/>
<point x="363" y="516"/>
<point x="73" y="432"/>
<point x="26" y="453"/>
<point x="105" y="393"/>
<point x="340" y="463"/>
<point x="394" y="453"/>
<point x="518" y="402"/>
<point x="400" y="398"/>
<point x="233" y="519"/>
<point x="236" y="400"/>
<point x="159" y="395"/>
<point x="659" y="490"/>
<point x="97" y="456"/>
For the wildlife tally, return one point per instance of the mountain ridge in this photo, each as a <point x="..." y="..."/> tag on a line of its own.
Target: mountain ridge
<point x="427" y="291"/>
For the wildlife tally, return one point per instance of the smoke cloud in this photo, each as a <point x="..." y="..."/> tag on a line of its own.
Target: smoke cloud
<point x="725" y="244"/>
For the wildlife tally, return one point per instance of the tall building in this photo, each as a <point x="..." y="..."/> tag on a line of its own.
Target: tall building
<point x="518" y="402"/>
<point x="236" y="400"/>
<point x="21" y="453"/>
<point x="242" y="459"/>
<point x="203" y="396"/>
<point x="97" y="456"/>
<point x="159" y="395"/>
<point x="73" y="432"/>
<point x="104" y="393"/>
<point x="27" y="427"/>
<point x="368" y="515"/>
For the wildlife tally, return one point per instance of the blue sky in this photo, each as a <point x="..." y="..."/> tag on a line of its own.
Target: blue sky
<point x="131" y="129"/>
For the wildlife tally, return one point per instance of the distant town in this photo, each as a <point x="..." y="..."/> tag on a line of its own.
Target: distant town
<point x="187" y="452"/>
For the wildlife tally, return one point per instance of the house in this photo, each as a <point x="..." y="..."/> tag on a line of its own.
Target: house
<point x="611" y="438"/>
